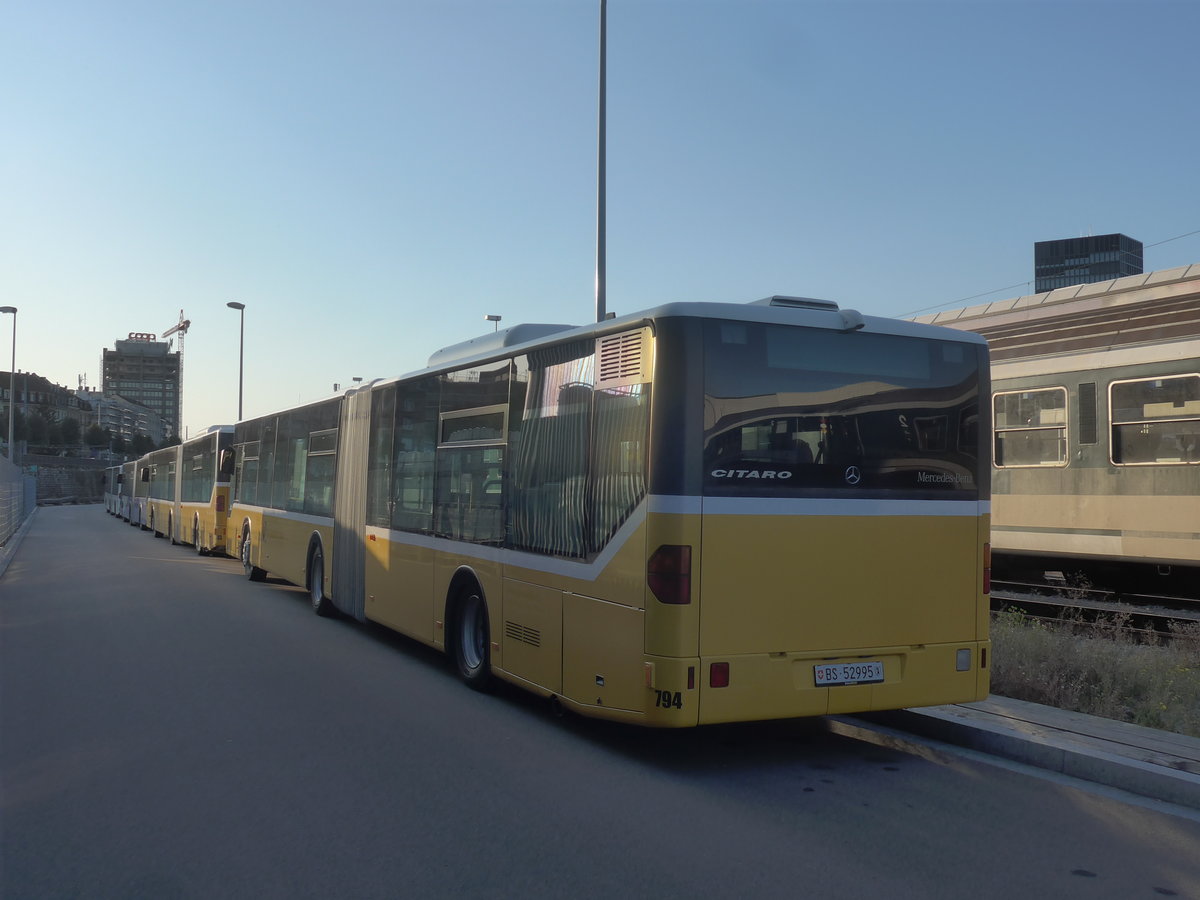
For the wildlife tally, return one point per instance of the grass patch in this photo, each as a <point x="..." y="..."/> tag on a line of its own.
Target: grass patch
<point x="1100" y="669"/>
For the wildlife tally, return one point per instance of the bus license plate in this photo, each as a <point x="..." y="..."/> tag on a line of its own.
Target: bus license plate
<point x="848" y="673"/>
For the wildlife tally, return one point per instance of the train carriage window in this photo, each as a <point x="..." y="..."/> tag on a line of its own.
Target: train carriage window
<point x="1030" y="427"/>
<point x="1155" y="421"/>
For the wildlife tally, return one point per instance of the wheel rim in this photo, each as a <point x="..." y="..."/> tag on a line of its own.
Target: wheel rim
<point x="246" y="550"/>
<point x="316" y="579"/>
<point x="473" y="636"/>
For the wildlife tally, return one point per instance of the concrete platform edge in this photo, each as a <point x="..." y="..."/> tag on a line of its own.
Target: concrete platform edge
<point x="1046" y="751"/>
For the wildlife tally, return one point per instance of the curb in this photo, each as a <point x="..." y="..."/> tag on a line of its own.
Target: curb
<point x="1128" y="767"/>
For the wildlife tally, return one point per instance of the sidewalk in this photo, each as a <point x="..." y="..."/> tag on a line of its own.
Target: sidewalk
<point x="1156" y="764"/>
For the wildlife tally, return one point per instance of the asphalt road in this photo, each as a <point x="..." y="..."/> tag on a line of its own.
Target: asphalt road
<point x="168" y="729"/>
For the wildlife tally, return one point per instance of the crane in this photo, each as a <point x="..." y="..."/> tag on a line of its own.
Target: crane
<point x="181" y="328"/>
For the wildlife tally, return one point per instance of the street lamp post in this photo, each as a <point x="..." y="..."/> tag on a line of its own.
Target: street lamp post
<point x="241" y="308"/>
<point x="601" y="169"/>
<point x="494" y="319"/>
<point x="12" y="380"/>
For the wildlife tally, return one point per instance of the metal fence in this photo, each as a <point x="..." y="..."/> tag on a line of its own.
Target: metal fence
<point x="18" y="497"/>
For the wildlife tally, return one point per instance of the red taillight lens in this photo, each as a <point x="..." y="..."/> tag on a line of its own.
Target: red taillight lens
<point x="718" y="675"/>
<point x="987" y="568"/>
<point x="669" y="574"/>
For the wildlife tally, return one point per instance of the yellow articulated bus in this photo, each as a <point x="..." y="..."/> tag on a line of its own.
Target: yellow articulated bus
<point x="112" y="490"/>
<point x="139" y="495"/>
<point x="125" y="482"/>
<point x="187" y="488"/>
<point x="700" y="513"/>
<point x="202" y="511"/>
<point x="159" y="472"/>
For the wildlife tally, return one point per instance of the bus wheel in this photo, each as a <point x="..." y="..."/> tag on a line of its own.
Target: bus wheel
<point x="197" y="537"/>
<point x="171" y="530"/>
<point x="469" y="642"/>
<point x="253" y="572"/>
<point x="321" y="604"/>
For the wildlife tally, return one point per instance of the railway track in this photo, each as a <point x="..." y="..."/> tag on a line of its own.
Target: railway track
<point x="1143" y="614"/>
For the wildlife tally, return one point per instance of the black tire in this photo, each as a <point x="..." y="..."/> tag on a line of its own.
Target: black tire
<point x="198" y="538"/>
<point x="253" y="572"/>
<point x="470" y="640"/>
<point x="171" y="530"/>
<point x="321" y="604"/>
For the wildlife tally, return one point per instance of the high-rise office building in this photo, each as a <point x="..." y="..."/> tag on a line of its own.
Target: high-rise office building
<point x="145" y="371"/>
<point x="1085" y="260"/>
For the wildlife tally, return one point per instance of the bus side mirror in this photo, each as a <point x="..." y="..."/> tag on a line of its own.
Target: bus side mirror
<point x="227" y="458"/>
<point x="146" y="475"/>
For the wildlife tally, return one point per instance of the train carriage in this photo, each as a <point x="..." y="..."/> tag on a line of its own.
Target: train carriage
<point x="1098" y="465"/>
<point x="1096" y="438"/>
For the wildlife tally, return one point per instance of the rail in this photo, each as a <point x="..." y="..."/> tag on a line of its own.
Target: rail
<point x="1138" y="614"/>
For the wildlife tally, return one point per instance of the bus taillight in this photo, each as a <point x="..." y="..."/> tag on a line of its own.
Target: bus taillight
<point x="987" y="568"/>
<point x="718" y="675"/>
<point x="669" y="574"/>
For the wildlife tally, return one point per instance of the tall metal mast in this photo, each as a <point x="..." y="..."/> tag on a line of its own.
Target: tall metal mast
<point x="600" y="166"/>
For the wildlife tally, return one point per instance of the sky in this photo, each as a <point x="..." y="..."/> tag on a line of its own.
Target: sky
<point x="373" y="177"/>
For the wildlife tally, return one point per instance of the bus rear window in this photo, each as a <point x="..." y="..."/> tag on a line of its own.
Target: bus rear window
<point x="792" y="409"/>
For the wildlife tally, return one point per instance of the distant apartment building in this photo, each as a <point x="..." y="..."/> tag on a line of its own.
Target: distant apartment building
<point x="124" y="418"/>
<point x="41" y="396"/>
<point x="1085" y="260"/>
<point x="146" y="372"/>
<point x="37" y="398"/>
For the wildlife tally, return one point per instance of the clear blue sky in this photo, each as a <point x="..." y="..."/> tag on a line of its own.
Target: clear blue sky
<point x="372" y="178"/>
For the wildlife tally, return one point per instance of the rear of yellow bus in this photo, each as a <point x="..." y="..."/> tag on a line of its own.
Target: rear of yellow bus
<point x="827" y="549"/>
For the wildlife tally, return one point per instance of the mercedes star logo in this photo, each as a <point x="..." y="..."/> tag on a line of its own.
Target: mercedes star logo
<point x="853" y="475"/>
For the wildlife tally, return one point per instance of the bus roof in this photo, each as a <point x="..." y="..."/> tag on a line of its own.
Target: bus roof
<point x="777" y="309"/>
<point x="783" y="310"/>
